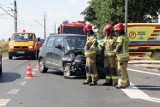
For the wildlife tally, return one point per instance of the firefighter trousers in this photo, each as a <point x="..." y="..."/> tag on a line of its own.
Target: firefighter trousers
<point x="91" y="69"/>
<point x="110" y="67"/>
<point x="122" y="69"/>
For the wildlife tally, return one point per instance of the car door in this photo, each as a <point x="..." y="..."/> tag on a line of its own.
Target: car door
<point x="49" y="51"/>
<point x="58" y="53"/>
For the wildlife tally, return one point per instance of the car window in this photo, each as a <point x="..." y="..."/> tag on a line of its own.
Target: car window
<point x="50" y="41"/>
<point x="65" y="45"/>
<point x="76" y="41"/>
<point x="59" y="41"/>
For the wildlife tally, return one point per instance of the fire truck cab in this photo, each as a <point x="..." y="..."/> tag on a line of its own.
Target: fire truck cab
<point x="71" y="28"/>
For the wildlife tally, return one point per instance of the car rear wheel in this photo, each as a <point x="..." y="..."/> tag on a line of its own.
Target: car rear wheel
<point x="10" y="57"/>
<point x="67" y="73"/>
<point x="42" y="67"/>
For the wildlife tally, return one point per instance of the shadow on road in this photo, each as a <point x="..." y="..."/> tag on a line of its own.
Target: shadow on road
<point x="9" y="77"/>
<point x="23" y="58"/>
<point x="148" y="87"/>
<point x="59" y="73"/>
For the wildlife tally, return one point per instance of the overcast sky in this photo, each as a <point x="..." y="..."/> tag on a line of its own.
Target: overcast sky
<point x="30" y="15"/>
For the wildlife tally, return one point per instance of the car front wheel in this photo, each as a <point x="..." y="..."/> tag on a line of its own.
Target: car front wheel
<point x="42" y="67"/>
<point x="67" y="73"/>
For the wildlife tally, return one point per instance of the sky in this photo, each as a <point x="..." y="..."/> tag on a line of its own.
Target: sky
<point x="31" y="15"/>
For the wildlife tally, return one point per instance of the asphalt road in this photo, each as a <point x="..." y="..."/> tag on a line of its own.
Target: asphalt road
<point x="52" y="90"/>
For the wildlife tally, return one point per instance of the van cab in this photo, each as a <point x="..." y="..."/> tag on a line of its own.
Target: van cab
<point x="24" y="44"/>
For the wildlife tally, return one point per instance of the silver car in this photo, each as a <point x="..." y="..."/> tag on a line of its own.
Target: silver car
<point x="63" y="52"/>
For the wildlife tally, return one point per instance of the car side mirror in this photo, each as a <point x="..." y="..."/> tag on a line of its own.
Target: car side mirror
<point x="59" y="47"/>
<point x="38" y="39"/>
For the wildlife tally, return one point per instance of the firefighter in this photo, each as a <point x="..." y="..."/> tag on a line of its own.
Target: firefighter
<point x="90" y="54"/>
<point x="122" y="56"/>
<point x="110" y="65"/>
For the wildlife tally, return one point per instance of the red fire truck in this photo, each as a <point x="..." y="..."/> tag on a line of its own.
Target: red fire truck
<point x="71" y="28"/>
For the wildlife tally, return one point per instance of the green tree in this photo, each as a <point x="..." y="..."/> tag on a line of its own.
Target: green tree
<point x="102" y="12"/>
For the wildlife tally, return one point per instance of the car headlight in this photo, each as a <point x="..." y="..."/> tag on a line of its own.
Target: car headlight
<point x="72" y="56"/>
<point x="11" y="46"/>
<point x="30" y="47"/>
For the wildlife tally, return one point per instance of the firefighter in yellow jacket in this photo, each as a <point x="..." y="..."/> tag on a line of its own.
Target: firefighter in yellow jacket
<point x="122" y="56"/>
<point x="90" y="54"/>
<point x="110" y="65"/>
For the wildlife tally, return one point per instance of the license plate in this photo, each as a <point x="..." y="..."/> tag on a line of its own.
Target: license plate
<point x="20" y="52"/>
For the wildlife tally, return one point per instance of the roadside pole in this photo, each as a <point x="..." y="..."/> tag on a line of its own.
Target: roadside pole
<point x="126" y="15"/>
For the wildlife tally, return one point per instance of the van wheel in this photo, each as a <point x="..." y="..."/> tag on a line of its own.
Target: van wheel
<point x="1" y="70"/>
<point x="67" y="73"/>
<point x="10" y="57"/>
<point x="42" y="67"/>
<point x="155" y="54"/>
<point x="1" y="67"/>
<point x="34" y="56"/>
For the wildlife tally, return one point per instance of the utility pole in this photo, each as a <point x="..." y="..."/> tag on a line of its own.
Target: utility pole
<point x="44" y="24"/>
<point x="55" y="27"/>
<point x="15" y="16"/>
<point x="126" y="15"/>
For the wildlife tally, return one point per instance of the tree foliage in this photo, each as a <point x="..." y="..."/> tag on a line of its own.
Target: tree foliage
<point x="102" y="12"/>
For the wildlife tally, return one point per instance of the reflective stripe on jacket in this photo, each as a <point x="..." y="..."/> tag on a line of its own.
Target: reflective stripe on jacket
<point x="89" y="49"/>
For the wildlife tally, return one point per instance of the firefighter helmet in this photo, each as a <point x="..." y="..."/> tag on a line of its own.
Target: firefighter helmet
<point x="120" y="26"/>
<point x="108" y="28"/>
<point x="87" y="27"/>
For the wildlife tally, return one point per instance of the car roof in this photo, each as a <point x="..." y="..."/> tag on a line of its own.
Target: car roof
<point x="66" y="35"/>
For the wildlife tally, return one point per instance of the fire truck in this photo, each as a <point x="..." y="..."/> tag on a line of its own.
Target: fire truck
<point x="144" y="38"/>
<point x="71" y="28"/>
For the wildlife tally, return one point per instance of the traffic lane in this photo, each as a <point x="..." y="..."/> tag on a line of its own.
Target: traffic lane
<point x="51" y="89"/>
<point x="14" y="71"/>
<point x="145" y="80"/>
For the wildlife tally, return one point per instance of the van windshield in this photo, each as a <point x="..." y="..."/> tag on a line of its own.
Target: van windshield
<point x="23" y="36"/>
<point x="76" y="42"/>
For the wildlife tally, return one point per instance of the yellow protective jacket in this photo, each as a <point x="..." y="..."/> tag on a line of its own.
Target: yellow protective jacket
<point x="109" y="46"/>
<point x="123" y="41"/>
<point x="90" y="49"/>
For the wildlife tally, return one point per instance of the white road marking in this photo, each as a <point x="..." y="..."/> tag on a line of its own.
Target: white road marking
<point x="151" y="73"/>
<point x="4" y="58"/>
<point x="3" y="102"/>
<point x="22" y="83"/>
<point x="135" y="93"/>
<point x="35" y="69"/>
<point x="13" y="91"/>
<point x="33" y="73"/>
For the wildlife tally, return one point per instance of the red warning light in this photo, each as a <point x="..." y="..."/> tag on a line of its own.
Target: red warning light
<point x="24" y="30"/>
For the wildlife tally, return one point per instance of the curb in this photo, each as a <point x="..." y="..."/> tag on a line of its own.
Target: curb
<point x="144" y="62"/>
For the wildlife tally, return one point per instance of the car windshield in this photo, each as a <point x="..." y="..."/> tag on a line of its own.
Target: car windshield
<point x="76" y="42"/>
<point x="23" y="36"/>
<point x="73" y="30"/>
